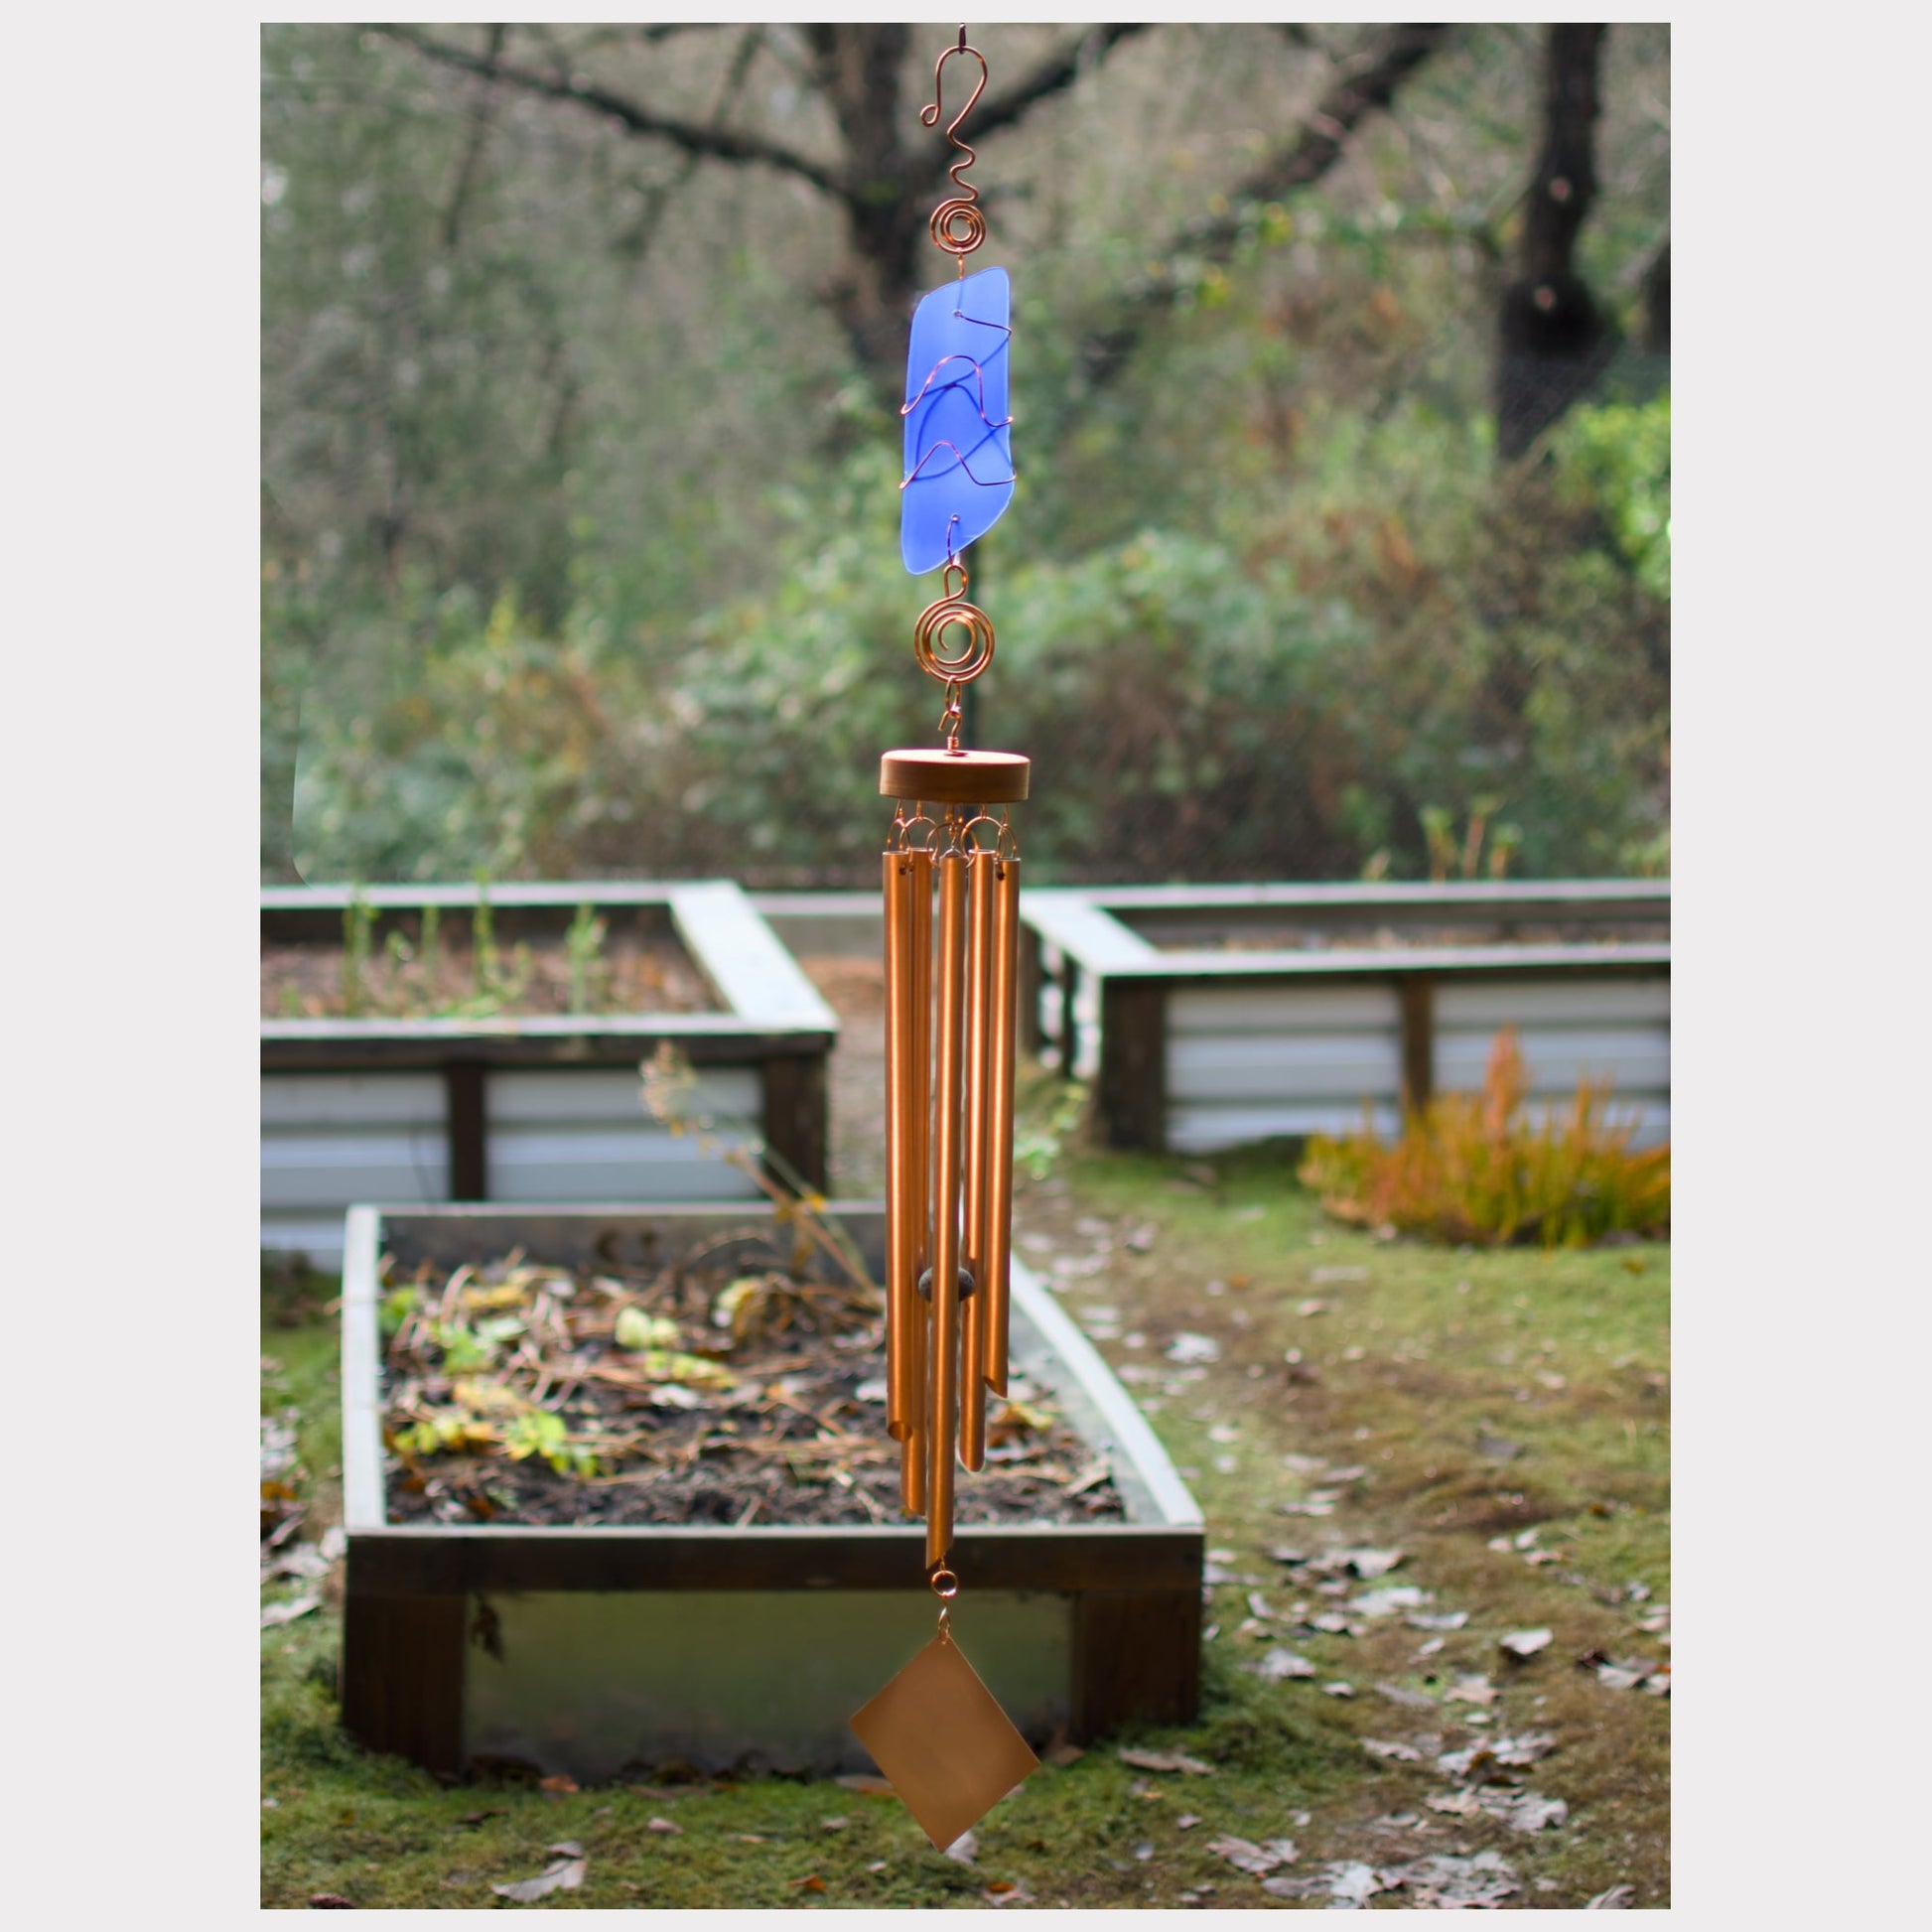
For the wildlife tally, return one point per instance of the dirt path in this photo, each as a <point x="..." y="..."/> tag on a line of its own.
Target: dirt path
<point x="1371" y="1568"/>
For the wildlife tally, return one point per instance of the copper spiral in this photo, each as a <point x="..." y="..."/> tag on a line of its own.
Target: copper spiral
<point x="934" y="621"/>
<point x="958" y="227"/>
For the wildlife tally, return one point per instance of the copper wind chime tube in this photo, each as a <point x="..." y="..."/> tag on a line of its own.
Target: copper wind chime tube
<point x="951" y="1026"/>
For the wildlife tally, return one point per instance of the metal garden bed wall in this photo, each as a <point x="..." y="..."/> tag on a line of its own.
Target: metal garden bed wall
<point x="1211" y="1016"/>
<point x="540" y="1107"/>
<point x="586" y="1651"/>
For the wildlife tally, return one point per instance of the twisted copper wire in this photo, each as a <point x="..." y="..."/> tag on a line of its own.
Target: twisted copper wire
<point x="958" y="225"/>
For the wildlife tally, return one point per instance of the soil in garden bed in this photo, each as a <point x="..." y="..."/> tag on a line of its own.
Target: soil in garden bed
<point x="722" y="1391"/>
<point x="626" y="974"/>
<point x="1385" y="938"/>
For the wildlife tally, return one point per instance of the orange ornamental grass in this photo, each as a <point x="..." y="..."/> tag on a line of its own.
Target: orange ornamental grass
<point x="1474" y="1168"/>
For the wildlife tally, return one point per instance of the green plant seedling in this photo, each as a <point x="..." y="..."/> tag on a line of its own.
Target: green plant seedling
<point x="358" y="918"/>
<point x="584" y="949"/>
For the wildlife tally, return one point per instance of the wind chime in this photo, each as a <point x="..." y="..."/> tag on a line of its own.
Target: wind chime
<point x="935" y="1730"/>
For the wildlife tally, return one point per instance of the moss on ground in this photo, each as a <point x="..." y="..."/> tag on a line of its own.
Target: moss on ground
<point x="1485" y="1396"/>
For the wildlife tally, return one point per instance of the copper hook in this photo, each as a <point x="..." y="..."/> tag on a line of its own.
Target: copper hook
<point x="957" y="225"/>
<point x="929" y="114"/>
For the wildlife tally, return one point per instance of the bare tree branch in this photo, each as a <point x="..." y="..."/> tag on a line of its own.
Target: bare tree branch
<point x="634" y="244"/>
<point x="473" y="150"/>
<point x="1054" y="75"/>
<point x="1366" y="83"/>
<point x="713" y="143"/>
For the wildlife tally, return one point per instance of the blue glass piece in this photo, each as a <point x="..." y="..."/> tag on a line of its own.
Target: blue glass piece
<point x="958" y="450"/>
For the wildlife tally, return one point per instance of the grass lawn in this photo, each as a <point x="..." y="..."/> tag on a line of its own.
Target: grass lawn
<point x="1500" y="1419"/>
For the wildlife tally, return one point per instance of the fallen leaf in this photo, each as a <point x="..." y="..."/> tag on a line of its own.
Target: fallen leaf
<point x="1472" y="1690"/>
<point x="1620" y="1677"/>
<point x="278" y="1613"/>
<point x="1165" y="1761"/>
<point x="1311" y="1307"/>
<point x="564" y="1873"/>
<point x="1185" y="1822"/>
<point x="1339" y="1689"/>
<point x="1387" y="1601"/>
<point x="964" y="1849"/>
<point x="1003" y="1891"/>
<point x="1256" y="1859"/>
<point x="1619" y="1899"/>
<point x="1367" y="1563"/>
<point x="1524" y="1748"/>
<point x="665" y="1825"/>
<point x="833" y="1824"/>
<point x="1436" y="1619"/>
<point x="1189" y="1347"/>
<point x="1278" y="1664"/>
<point x="1354" y="1882"/>
<point x="1090" y="1478"/>
<point x="1527" y="1811"/>
<point x="561" y="1784"/>
<point x="1383" y="1747"/>
<point x="868" y="1782"/>
<point x="810" y="1883"/>
<point x="1525" y="1644"/>
<point x="1307" y="1887"/>
<point x="1444" y="1881"/>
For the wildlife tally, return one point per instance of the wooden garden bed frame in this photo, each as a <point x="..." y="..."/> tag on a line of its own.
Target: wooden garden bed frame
<point x="428" y="1605"/>
<point x="771" y="1020"/>
<point x="1086" y="971"/>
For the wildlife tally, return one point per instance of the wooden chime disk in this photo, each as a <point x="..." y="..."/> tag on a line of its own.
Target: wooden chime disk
<point x="943" y="1743"/>
<point x="954" y="777"/>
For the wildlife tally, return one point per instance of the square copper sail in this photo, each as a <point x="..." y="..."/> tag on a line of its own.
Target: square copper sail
<point x="942" y="1740"/>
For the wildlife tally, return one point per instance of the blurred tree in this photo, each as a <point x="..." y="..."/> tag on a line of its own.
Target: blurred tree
<point x="579" y="478"/>
<point x="880" y="188"/>
<point x="1554" y="339"/>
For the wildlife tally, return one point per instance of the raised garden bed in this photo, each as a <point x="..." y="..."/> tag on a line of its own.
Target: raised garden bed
<point x="422" y="1106"/>
<point x="589" y="1650"/>
<point x="1212" y="1016"/>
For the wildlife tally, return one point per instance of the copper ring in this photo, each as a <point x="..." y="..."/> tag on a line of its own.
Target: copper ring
<point x="945" y="1583"/>
<point x="934" y="622"/>
<point x="958" y="227"/>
